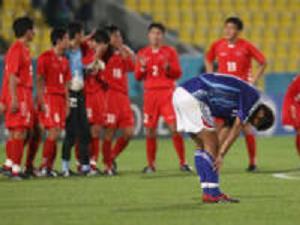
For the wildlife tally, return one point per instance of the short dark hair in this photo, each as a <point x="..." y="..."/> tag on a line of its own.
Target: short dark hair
<point x="74" y="28"/>
<point x="101" y="36"/>
<point x="236" y="21"/>
<point x="57" y="33"/>
<point x="267" y="121"/>
<point x="21" y="25"/>
<point x="112" y="29"/>
<point x="159" y="26"/>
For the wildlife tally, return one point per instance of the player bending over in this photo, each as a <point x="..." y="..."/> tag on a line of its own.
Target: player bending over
<point x="200" y="99"/>
<point x="158" y="66"/>
<point x="118" y="111"/>
<point x="53" y="74"/>
<point x="291" y="109"/>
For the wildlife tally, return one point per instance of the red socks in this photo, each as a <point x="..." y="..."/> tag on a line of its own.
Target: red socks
<point x="32" y="149"/>
<point x="151" y="151"/>
<point x="8" y="148"/>
<point x="94" y="154"/>
<point x="298" y="143"/>
<point x="107" y="154"/>
<point x="17" y="147"/>
<point x="48" y="153"/>
<point x="251" y="147"/>
<point x="120" y="145"/>
<point x="179" y="147"/>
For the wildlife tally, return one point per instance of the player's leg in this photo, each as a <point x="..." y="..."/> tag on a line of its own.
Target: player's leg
<point x="94" y="147"/>
<point x="122" y="142"/>
<point x="298" y="140"/>
<point x="106" y="151"/>
<point x="32" y="149"/>
<point x="18" y="136"/>
<point x="7" y="166"/>
<point x="49" y="152"/>
<point x="168" y="113"/>
<point x="251" y="146"/>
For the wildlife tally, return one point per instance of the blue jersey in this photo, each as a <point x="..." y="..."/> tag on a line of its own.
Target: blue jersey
<point x="225" y="95"/>
<point x="75" y="59"/>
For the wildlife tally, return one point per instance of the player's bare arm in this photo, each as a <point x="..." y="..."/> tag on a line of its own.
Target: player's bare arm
<point x="13" y="80"/>
<point x="259" y="73"/>
<point x="209" y="66"/>
<point x="40" y="91"/>
<point x="229" y="140"/>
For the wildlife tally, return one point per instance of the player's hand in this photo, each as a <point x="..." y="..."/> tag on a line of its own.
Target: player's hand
<point x="142" y="61"/>
<point x="14" y="105"/>
<point x="126" y="51"/>
<point x="218" y="163"/>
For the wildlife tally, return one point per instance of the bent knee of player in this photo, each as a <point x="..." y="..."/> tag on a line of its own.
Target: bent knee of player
<point x="109" y="134"/>
<point x="128" y="133"/>
<point x="210" y="141"/>
<point x="95" y="131"/>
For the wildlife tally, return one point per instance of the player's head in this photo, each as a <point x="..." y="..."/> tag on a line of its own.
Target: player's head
<point x="76" y="32"/>
<point x="233" y="27"/>
<point x="115" y="35"/>
<point x="262" y="117"/>
<point x="156" y="33"/>
<point x="60" y="38"/>
<point x="24" y="28"/>
<point x="100" y="40"/>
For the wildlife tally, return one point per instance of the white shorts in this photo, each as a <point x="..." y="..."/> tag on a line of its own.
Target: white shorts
<point x="192" y="116"/>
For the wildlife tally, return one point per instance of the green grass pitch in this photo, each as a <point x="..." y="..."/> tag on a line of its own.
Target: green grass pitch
<point x="168" y="197"/>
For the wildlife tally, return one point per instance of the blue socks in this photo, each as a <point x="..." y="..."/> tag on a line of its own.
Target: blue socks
<point x="209" y="178"/>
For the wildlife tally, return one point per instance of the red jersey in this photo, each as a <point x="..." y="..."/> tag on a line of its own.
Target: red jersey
<point x="56" y="71"/>
<point x="156" y="75"/>
<point x="116" y="72"/>
<point x="291" y="104"/>
<point x="235" y="58"/>
<point x="18" y="62"/>
<point x="91" y="83"/>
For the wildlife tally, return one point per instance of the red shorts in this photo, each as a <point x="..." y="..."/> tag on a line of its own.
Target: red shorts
<point x="291" y="113"/>
<point x="22" y="119"/>
<point x="55" y="111"/>
<point x="158" y="103"/>
<point x="118" y="113"/>
<point x="94" y="103"/>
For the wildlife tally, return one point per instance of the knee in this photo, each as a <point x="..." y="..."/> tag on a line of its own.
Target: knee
<point x="151" y="133"/>
<point x="54" y="133"/>
<point x="109" y="134"/>
<point x="247" y="129"/>
<point x="95" y="131"/>
<point x="128" y="134"/>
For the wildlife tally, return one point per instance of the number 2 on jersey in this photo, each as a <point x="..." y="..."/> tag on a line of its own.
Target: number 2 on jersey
<point x="231" y="66"/>
<point x="154" y="70"/>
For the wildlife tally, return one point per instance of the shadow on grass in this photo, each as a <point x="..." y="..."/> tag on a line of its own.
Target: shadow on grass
<point x="277" y="171"/>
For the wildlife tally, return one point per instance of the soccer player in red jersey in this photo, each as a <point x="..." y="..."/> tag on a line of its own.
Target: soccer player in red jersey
<point x="54" y="74"/>
<point x="234" y="56"/>
<point x="94" y="91"/>
<point x="291" y="109"/>
<point x="158" y="66"/>
<point x="118" y="111"/>
<point x="17" y="92"/>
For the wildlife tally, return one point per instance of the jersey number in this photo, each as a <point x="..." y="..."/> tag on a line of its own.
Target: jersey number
<point x="154" y="70"/>
<point x="231" y="66"/>
<point x="117" y="73"/>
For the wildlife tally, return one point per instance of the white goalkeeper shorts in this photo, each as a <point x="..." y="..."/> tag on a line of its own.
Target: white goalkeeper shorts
<point x="192" y="116"/>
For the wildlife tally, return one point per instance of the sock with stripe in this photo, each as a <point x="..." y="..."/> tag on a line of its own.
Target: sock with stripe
<point x="94" y="154"/>
<point x="17" y="154"/>
<point x="47" y="153"/>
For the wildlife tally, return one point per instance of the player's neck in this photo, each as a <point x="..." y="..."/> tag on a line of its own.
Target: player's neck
<point x="58" y="51"/>
<point x="24" y="41"/>
<point x="155" y="47"/>
<point x="232" y="40"/>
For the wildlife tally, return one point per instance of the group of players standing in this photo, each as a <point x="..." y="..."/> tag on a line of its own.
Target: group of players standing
<point x="82" y="87"/>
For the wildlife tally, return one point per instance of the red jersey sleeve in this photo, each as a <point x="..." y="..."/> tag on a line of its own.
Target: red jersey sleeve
<point x="175" y="68"/>
<point x="256" y="54"/>
<point x="129" y="64"/>
<point x="14" y="60"/>
<point x="211" y="53"/>
<point x="138" y="71"/>
<point x="40" y="66"/>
